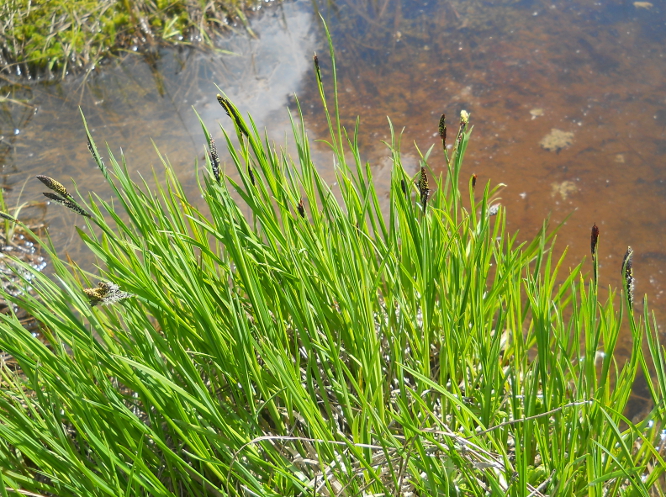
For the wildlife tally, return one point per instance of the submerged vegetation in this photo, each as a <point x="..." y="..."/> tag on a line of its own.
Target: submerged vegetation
<point x="58" y="36"/>
<point x="295" y="339"/>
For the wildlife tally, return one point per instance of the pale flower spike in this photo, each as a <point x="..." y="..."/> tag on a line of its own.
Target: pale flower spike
<point x="106" y="293"/>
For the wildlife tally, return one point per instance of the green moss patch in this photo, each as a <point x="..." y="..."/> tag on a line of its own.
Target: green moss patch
<point x="58" y="36"/>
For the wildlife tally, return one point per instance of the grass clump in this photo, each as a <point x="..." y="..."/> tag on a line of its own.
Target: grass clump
<point x="292" y="340"/>
<point x="58" y="36"/>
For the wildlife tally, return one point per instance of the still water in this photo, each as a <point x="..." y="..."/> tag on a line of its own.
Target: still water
<point x="593" y="71"/>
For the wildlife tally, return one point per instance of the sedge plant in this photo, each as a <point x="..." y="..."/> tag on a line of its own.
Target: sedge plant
<point x="285" y="339"/>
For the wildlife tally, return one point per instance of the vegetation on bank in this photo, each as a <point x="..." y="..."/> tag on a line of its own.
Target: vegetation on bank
<point x="291" y="339"/>
<point x="58" y="36"/>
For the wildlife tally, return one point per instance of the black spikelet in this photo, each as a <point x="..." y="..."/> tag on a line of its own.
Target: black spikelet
<point x="442" y="130"/>
<point x="423" y="188"/>
<point x="251" y="174"/>
<point x="67" y="203"/>
<point x="233" y="114"/>
<point x="315" y="59"/>
<point x="594" y="241"/>
<point x="215" y="160"/>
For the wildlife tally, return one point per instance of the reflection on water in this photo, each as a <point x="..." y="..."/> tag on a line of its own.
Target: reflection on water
<point x="140" y="99"/>
<point x="568" y="101"/>
<point x="567" y="97"/>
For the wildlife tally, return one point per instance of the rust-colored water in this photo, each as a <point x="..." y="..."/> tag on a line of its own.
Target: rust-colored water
<point x="595" y="70"/>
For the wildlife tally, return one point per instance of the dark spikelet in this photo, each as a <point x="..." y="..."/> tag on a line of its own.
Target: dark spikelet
<point x="225" y="105"/>
<point x="54" y="185"/>
<point x="233" y="114"/>
<point x="301" y="208"/>
<point x="94" y="154"/>
<point x="67" y="203"/>
<point x="423" y="188"/>
<point x="403" y="186"/>
<point x="215" y="160"/>
<point x="628" y="274"/>
<point x="91" y="149"/>
<point x="594" y="241"/>
<point x="6" y="216"/>
<point x="315" y="59"/>
<point x="54" y="197"/>
<point x="251" y="174"/>
<point x="474" y="181"/>
<point x="442" y="129"/>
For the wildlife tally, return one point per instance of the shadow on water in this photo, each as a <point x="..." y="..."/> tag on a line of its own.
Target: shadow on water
<point x="595" y="71"/>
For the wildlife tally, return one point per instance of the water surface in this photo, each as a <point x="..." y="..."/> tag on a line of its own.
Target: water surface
<point x="595" y="71"/>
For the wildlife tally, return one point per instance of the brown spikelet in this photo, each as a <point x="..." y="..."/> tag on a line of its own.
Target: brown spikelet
<point x="628" y="274"/>
<point x="301" y="208"/>
<point x="594" y="241"/>
<point x="215" y="160"/>
<point x="251" y="174"/>
<point x="54" y="185"/>
<point x="67" y="203"/>
<point x="315" y="59"/>
<point x="474" y="181"/>
<point x="442" y="129"/>
<point x="423" y="188"/>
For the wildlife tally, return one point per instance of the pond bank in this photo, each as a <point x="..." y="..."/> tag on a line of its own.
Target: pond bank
<point x="57" y="37"/>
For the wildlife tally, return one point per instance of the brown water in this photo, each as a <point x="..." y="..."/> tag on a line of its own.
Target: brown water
<point x="595" y="70"/>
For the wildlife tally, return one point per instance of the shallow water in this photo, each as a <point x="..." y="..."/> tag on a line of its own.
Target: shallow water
<point x="593" y="70"/>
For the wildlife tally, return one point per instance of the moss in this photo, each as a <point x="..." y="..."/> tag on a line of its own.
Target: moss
<point x="66" y="35"/>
